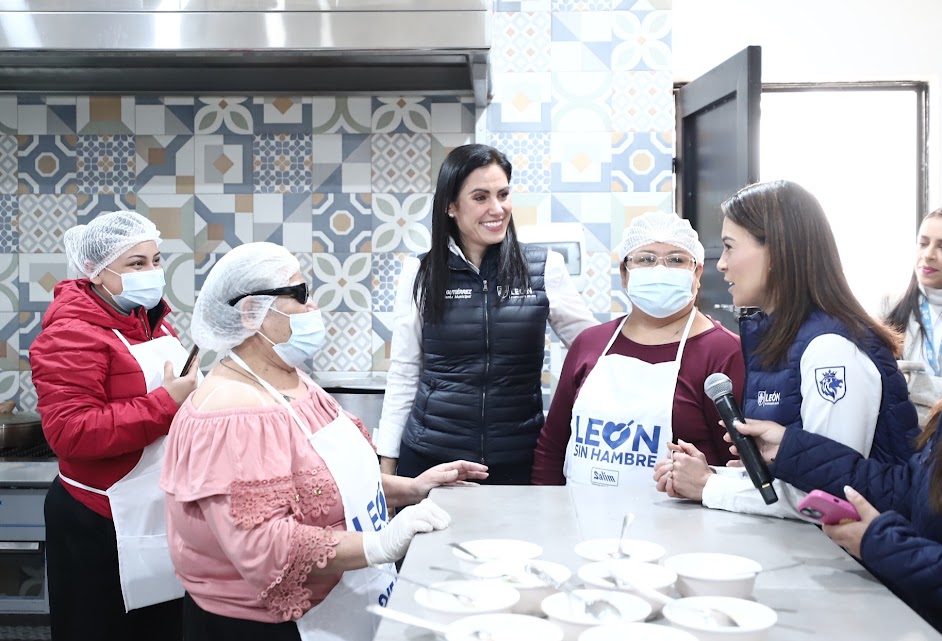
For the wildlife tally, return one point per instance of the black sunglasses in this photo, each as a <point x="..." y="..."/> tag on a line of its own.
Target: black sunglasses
<point x="299" y="292"/>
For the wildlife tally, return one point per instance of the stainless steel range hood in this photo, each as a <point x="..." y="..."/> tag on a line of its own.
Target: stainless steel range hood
<point x="246" y="46"/>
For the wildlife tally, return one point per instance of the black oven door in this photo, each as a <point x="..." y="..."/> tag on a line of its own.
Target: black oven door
<point x="23" y="577"/>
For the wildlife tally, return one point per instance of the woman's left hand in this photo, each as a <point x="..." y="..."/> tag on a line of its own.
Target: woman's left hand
<point x="454" y="473"/>
<point x="849" y="535"/>
<point x="685" y="474"/>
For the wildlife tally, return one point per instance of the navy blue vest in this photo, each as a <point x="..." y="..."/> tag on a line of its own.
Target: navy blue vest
<point x="479" y="395"/>
<point x="775" y="394"/>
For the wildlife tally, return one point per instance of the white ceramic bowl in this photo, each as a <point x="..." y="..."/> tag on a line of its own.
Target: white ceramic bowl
<point x="495" y="549"/>
<point x="504" y="627"/>
<point x="754" y="619"/>
<point x="488" y="597"/>
<point x="532" y="590"/>
<point x="656" y="577"/>
<point x="635" y="632"/>
<point x="711" y="574"/>
<point x="568" y="612"/>
<point x="603" y="549"/>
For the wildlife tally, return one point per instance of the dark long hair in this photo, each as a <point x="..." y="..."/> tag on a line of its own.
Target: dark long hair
<point x="935" y="478"/>
<point x="432" y="278"/>
<point x="805" y="267"/>
<point x="908" y="305"/>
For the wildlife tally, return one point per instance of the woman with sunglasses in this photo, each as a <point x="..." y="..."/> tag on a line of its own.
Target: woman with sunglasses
<point x="469" y="330"/>
<point x="815" y="360"/>
<point x="277" y="512"/>
<point x="106" y="367"/>
<point x="631" y="386"/>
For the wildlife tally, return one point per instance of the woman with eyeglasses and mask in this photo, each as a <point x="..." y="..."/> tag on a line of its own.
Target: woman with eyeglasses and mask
<point x="815" y="360"/>
<point x="633" y="385"/>
<point x="277" y="512"/>
<point x="106" y="367"/>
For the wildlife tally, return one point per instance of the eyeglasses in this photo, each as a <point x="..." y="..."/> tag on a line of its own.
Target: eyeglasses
<point x="643" y="260"/>
<point x="299" y="292"/>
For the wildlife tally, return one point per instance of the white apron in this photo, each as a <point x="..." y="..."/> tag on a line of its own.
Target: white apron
<point x="621" y="419"/>
<point x="352" y="462"/>
<point x="138" y="503"/>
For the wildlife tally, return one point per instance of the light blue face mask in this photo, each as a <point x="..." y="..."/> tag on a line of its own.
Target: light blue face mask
<point x="139" y="289"/>
<point x="307" y="337"/>
<point x="659" y="291"/>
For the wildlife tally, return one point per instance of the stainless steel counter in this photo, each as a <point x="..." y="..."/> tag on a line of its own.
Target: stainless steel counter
<point x="828" y="596"/>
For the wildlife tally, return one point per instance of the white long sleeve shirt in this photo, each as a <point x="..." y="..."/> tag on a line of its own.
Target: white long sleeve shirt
<point x="851" y="420"/>
<point x="568" y="316"/>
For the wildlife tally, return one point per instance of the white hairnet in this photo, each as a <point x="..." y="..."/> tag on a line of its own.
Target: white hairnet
<point x="660" y="227"/>
<point x="92" y="247"/>
<point x="252" y="267"/>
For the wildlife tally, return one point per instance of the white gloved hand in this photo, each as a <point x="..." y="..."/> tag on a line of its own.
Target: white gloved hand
<point x="390" y="543"/>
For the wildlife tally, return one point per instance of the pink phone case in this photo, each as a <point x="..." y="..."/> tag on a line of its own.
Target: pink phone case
<point x="827" y="509"/>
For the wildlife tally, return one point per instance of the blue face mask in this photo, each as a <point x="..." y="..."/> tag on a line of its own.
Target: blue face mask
<point x="139" y="289"/>
<point x="307" y="337"/>
<point x="659" y="291"/>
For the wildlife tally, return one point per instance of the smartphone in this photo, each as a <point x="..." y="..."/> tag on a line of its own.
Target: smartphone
<point x="190" y="360"/>
<point x="827" y="508"/>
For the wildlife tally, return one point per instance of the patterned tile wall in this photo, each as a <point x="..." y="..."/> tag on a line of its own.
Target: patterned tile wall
<point x="582" y="105"/>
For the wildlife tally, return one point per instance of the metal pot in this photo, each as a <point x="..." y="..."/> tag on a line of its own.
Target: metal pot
<point x="23" y="429"/>
<point x="361" y="396"/>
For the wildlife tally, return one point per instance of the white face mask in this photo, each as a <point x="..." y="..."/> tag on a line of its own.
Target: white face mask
<point x="659" y="291"/>
<point x="307" y="337"/>
<point x="139" y="289"/>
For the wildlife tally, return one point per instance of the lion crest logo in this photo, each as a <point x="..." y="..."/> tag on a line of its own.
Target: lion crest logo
<point x="830" y="382"/>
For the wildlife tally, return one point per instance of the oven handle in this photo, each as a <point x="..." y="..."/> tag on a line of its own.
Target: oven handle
<point x="19" y="546"/>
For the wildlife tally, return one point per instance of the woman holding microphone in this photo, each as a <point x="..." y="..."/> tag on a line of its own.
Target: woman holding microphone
<point x="815" y="360"/>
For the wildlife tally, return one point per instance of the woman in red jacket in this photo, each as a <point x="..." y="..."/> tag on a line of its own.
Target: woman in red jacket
<point x="103" y="367"/>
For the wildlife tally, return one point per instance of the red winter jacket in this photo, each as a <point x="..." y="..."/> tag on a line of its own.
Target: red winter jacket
<point x="96" y="412"/>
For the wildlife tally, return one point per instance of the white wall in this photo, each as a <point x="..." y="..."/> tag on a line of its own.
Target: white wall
<point x="821" y="40"/>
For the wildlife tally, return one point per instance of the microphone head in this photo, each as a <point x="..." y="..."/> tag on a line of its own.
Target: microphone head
<point x="717" y="385"/>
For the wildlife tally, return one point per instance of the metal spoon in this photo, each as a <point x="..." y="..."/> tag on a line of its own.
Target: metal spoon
<point x="463" y="599"/>
<point x="500" y="577"/>
<point x="599" y="609"/>
<point x="467" y="551"/>
<point x="619" y="553"/>
<point x="712" y="615"/>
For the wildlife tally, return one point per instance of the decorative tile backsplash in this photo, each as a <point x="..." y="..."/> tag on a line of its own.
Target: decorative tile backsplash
<point x="582" y="106"/>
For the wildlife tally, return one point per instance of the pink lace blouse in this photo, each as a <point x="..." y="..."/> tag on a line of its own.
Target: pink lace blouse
<point x="251" y="508"/>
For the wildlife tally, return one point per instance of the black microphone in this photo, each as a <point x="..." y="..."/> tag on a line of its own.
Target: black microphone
<point x="720" y="390"/>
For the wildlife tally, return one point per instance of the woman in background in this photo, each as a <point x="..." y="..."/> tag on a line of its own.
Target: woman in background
<point x="630" y="386"/>
<point x="815" y="360"/>
<point x="918" y="316"/>
<point x="469" y="331"/>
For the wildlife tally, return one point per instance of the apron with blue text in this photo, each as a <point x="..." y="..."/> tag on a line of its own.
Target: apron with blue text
<point x="137" y="502"/>
<point x="621" y="418"/>
<point x="353" y="464"/>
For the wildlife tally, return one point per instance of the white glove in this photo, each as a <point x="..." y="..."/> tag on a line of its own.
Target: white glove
<point x="390" y="543"/>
